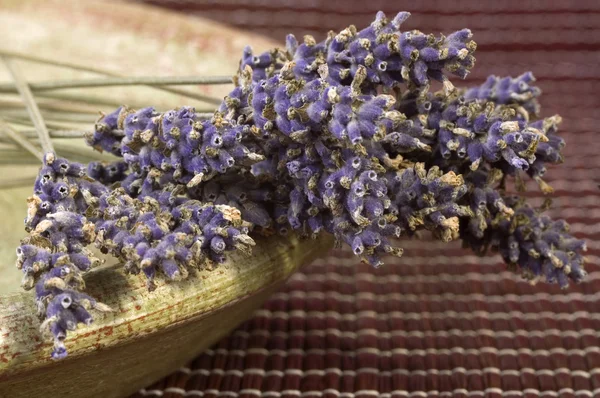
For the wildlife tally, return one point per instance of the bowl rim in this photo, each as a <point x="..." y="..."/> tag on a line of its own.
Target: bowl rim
<point x="139" y="312"/>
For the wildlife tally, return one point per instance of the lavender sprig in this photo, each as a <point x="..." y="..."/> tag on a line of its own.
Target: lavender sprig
<point x="390" y="57"/>
<point x="54" y="257"/>
<point x="506" y="90"/>
<point x="528" y="240"/>
<point x="70" y="211"/>
<point x="477" y="128"/>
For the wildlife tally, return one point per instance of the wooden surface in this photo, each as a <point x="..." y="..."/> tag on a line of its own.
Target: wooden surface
<point x="150" y="334"/>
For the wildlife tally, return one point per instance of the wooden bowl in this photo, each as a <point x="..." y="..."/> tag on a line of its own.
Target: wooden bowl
<point x="151" y="333"/>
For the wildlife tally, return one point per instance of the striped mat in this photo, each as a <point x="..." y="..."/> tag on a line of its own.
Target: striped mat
<point x="439" y="322"/>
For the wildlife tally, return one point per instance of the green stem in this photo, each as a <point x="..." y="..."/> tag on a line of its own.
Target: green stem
<point x="98" y="101"/>
<point x="56" y="116"/>
<point x="119" y="81"/>
<point x="51" y="124"/>
<point x="55" y="62"/>
<point x="78" y="98"/>
<point x="49" y="105"/>
<point x="57" y="133"/>
<point x="101" y="71"/>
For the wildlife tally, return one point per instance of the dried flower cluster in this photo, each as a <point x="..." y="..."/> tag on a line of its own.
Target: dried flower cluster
<point x="343" y="136"/>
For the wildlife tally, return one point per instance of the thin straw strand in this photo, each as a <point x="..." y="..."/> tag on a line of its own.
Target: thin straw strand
<point x="101" y="71"/>
<point x="34" y="112"/>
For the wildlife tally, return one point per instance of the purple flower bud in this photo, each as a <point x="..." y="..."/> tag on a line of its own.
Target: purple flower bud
<point x="357" y="246"/>
<point x="170" y="268"/>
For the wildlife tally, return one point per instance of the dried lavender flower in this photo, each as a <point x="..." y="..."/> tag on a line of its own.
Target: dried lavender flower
<point x="389" y="56"/>
<point x="54" y="257"/>
<point x="529" y="241"/>
<point x="507" y="90"/>
<point x="474" y="132"/>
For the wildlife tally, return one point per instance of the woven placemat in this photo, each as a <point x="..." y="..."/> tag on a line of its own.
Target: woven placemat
<point x="439" y="321"/>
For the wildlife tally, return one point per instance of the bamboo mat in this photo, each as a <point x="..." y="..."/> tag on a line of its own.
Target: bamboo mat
<point x="439" y="322"/>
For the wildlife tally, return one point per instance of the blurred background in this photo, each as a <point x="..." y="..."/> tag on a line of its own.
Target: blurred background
<point x="512" y="35"/>
<point x="455" y="323"/>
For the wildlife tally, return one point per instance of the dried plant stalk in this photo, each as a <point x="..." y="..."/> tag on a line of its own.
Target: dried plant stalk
<point x="118" y="81"/>
<point x="34" y="112"/>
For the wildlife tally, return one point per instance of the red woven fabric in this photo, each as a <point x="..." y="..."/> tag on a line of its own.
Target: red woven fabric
<point x="439" y="321"/>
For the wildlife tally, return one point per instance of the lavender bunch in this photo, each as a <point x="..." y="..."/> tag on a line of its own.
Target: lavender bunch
<point x="342" y="136"/>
